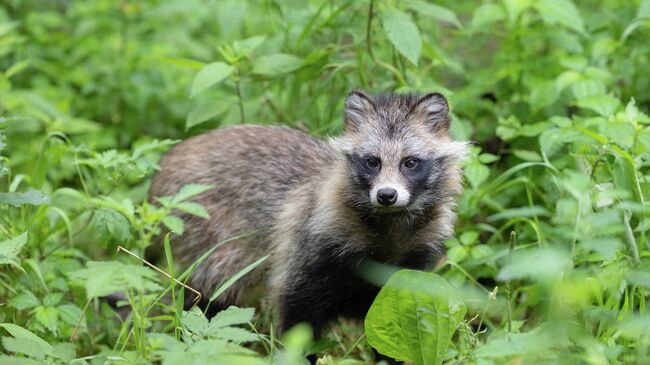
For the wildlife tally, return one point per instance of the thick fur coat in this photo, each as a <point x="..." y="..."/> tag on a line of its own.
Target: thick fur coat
<point x="317" y="207"/>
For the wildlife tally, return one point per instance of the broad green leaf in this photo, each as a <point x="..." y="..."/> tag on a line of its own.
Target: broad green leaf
<point x="436" y="12"/>
<point x="537" y="342"/>
<point x="210" y="75"/>
<point x="204" y="112"/>
<point x="276" y="64"/>
<point x="563" y="12"/>
<point x="414" y="317"/>
<point x="29" y="197"/>
<point x="620" y="133"/>
<point x="23" y="346"/>
<point x="476" y="173"/>
<point x="602" y="104"/>
<point x="21" y="333"/>
<point x="103" y="278"/>
<point x="231" y="316"/>
<point x="402" y="33"/>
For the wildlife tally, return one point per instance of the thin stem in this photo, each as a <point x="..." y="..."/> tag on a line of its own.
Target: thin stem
<point x="369" y="28"/>
<point x="241" y="102"/>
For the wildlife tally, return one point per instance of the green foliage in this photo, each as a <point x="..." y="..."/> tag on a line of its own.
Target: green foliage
<point x="414" y="317"/>
<point x="552" y="229"/>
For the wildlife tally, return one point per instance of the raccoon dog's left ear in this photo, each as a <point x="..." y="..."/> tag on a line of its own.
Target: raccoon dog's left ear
<point x="434" y="110"/>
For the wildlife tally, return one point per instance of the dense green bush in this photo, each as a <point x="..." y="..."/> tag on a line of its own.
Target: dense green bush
<point x="551" y="263"/>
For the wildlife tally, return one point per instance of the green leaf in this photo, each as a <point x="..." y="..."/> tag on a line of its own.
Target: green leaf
<point x="436" y="12"/>
<point x="204" y="112"/>
<point x="246" y="46"/>
<point x="189" y="191"/>
<point x="563" y="12"/>
<point x="414" y="317"/>
<point x="175" y="224"/>
<point x="48" y="317"/>
<point x="536" y="264"/>
<point x="231" y="316"/>
<point x="602" y="104"/>
<point x="10" y="249"/>
<point x="276" y="64"/>
<point x="23" y="346"/>
<point x="29" y="197"/>
<point x="24" y="300"/>
<point x="527" y="155"/>
<point x="476" y="173"/>
<point x="210" y="75"/>
<point x="402" y="33"/>
<point x="486" y="14"/>
<point x="21" y="333"/>
<point x="620" y="133"/>
<point x="193" y="208"/>
<point x="236" y="277"/>
<point x="103" y="278"/>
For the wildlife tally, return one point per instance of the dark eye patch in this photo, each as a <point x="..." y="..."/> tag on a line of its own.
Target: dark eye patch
<point x="362" y="173"/>
<point x="418" y="178"/>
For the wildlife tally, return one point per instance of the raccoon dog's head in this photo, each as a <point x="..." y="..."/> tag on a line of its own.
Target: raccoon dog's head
<point x="398" y="152"/>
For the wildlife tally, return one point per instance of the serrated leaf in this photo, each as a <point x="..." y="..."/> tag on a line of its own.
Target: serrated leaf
<point x="101" y="278"/>
<point x="48" y="317"/>
<point x="402" y="33"/>
<point x="29" y="197"/>
<point x="189" y="191"/>
<point x="414" y="317"/>
<point x="233" y="334"/>
<point x="620" y="133"/>
<point x="231" y="316"/>
<point x="9" y="249"/>
<point x="276" y="64"/>
<point x="210" y="75"/>
<point x="174" y="224"/>
<point x="563" y="12"/>
<point x="193" y="208"/>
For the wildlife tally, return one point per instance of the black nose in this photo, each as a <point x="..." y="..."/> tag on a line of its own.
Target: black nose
<point x="386" y="196"/>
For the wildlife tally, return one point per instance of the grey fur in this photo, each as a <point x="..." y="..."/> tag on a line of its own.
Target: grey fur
<point x="300" y="197"/>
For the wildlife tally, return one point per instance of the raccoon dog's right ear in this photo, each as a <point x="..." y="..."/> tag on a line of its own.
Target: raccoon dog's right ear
<point x="358" y="107"/>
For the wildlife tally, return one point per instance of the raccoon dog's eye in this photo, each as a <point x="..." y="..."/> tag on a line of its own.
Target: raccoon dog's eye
<point x="411" y="163"/>
<point x="372" y="162"/>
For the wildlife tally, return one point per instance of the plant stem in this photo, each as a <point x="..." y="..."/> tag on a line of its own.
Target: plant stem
<point x="240" y="101"/>
<point x="369" y="28"/>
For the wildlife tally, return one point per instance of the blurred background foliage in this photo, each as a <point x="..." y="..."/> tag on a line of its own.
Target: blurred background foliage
<point x="554" y="93"/>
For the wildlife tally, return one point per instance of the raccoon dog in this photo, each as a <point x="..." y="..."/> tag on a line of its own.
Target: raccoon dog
<point x="385" y="189"/>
